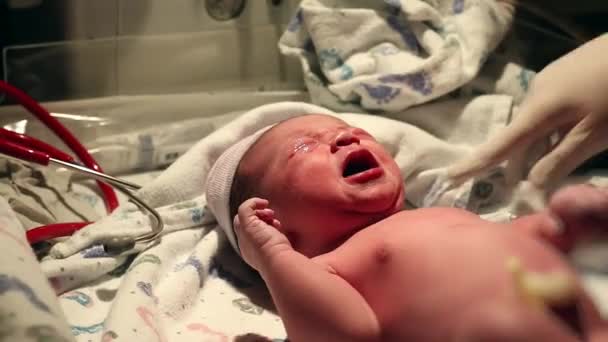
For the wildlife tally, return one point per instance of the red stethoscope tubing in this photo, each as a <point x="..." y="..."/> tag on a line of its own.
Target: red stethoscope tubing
<point x="11" y="142"/>
<point x="52" y="231"/>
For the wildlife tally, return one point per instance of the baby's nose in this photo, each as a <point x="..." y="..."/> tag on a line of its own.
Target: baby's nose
<point x="343" y="139"/>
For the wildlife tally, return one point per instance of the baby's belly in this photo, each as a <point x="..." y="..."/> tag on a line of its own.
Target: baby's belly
<point x="420" y="274"/>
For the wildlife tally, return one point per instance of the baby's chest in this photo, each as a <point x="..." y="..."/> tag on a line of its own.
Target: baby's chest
<point x="390" y="252"/>
<point x="383" y="267"/>
<point x="399" y="271"/>
<point x="392" y="275"/>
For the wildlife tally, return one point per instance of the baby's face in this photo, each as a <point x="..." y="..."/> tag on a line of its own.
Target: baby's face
<point x="324" y="179"/>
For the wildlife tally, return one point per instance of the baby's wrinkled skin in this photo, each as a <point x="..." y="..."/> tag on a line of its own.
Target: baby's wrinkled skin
<point x="343" y="262"/>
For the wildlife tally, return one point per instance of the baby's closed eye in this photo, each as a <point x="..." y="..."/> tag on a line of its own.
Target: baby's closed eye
<point x="302" y="145"/>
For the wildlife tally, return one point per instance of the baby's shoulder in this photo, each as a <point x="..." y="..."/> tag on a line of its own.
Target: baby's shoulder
<point x="432" y="214"/>
<point x="399" y="229"/>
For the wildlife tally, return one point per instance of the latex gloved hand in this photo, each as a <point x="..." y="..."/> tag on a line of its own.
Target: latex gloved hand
<point x="569" y="96"/>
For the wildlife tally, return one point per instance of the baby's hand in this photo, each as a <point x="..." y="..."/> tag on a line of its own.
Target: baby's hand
<point x="258" y="233"/>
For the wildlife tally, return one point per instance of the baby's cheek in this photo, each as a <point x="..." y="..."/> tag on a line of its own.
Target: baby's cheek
<point x="397" y="178"/>
<point x="389" y="163"/>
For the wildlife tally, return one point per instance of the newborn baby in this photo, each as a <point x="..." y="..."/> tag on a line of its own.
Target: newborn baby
<point x="320" y="217"/>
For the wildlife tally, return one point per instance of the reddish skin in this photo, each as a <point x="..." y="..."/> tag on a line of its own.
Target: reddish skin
<point x="404" y="272"/>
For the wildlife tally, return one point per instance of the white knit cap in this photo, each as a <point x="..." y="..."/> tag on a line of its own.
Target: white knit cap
<point x="219" y="183"/>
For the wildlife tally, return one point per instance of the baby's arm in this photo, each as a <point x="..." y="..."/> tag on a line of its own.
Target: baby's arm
<point x="313" y="301"/>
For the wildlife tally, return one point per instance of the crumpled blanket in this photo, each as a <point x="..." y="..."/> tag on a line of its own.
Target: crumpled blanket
<point x="390" y="55"/>
<point x="29" y="310"/>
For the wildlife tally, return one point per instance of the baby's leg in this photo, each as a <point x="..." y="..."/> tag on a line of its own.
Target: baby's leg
<point x="583" y="209"/>
<point x="574" y="213"/>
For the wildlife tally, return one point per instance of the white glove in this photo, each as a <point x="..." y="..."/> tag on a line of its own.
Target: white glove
<point x="569" y="96"/>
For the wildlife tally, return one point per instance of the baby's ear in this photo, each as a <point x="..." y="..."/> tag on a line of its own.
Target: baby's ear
<point x="506" y="322"/>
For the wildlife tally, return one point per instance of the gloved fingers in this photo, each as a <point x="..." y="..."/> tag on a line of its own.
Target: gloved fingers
<point x="537" y="119"/>
<point x="518" y="161"/>
<point x="585" y="140"/>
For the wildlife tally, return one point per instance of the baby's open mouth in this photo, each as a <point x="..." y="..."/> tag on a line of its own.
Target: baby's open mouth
<point x="361" y="166"/>
<point x="357" y="162"/>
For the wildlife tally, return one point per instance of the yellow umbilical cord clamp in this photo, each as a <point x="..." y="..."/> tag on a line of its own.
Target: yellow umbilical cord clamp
<point x="542" y="290"/>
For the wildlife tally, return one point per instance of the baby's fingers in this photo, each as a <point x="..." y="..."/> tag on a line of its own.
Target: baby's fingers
<point x="236" y="223"/>
<point x="247" y="210"/>
<point x="276" y="223"/>
<point x="253" y="204"/>
<point x="266" y="215"/>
